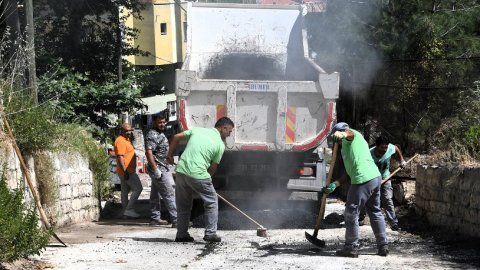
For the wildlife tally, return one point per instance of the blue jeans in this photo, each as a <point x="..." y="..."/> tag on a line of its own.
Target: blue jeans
<point x="162" y="188"/>
<point x="359" y="196"/>
<point x="185" y="187"/>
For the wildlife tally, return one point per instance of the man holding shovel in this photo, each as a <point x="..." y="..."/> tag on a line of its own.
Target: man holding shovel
<point x="381" y="154"/>
<point x="364" y="190"/>
<point x="197" y="164"/>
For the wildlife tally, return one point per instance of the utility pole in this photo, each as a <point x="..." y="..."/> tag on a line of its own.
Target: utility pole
<point x="32" y="74"/>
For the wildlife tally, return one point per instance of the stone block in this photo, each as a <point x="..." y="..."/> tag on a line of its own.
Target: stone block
<point x="86" y="202"/>
<point x="433" y="193"/>
<point x="471" y="174"/>
<point x="423" y="193"/>
<point x="86" y="191"/>
<point x="436" y="179"/>
<point x="463" y="200"/>
<point x="421" y="171"/>
<point x="61" y="192"/>
<point x="88" y="177"/>
<point x="63" y="178"/>
<point x="66" y="207"/>
<point x="442" y="208"/>
<point x="419" y="202"/>
<point x="75" y="191"/>
<point x="472" y="216"/>
<point x="76" y="204"/>
<point x="433" y="218"/>
<point x="456" y="210"/>
<point x="475" y="200"/>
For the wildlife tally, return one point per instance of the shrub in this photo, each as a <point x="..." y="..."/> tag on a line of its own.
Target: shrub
<point x="34" y="127"/>
<point x="21" y="236"/>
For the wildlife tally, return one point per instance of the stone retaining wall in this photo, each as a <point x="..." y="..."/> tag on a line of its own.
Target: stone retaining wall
<point x="450" y="198"/>
<point x="75" y="200"/>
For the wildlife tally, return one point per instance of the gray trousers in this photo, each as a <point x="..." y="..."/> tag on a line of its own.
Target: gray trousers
<point x="359" y="196"/>
<point x="386" y="199"/>
<point x="162" y="188"/>
<point x="134" y="185"/>
<point x="185" y="187"/>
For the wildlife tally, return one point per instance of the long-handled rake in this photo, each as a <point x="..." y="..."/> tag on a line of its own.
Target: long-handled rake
<point x="261" y="231"/>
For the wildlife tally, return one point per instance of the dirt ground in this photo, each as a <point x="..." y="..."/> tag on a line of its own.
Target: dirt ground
<point x="132" y="244"/>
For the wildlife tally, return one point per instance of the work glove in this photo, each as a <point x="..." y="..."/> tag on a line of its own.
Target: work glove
<point x="157" y="173"/>
<point x="331" y="187"/>
<point x="403" y="163"/>
<point x="339" y="135"/>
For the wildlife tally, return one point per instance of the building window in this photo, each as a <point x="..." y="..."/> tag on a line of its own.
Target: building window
<point x="163" y="28"/>
<point x="184" y="31"/>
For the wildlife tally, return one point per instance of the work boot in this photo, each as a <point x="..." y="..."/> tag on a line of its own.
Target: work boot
<point x="130" y="214"/>
<point x="156" y="222"/>
<point x="395" y="227"/>
<point x="347" y="251"/>
<point x="185" y="239"/>
<point x="383" y="250"/>
<point x="212" y="238"/>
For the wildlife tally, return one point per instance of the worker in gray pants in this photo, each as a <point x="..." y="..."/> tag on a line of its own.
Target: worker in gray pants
<point x="156" y="149"/>
<point x="364" y="190"/>
<point x="381" y="154"/>
<point x="197" y="164"/>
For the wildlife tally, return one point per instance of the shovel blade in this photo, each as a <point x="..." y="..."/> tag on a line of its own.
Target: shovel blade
<point x="314" y="240"/>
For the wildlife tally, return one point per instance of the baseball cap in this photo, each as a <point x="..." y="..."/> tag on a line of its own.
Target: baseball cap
<point x="340" y="126"/>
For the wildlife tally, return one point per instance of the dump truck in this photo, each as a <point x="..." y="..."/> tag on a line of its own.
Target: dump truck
<point x="251" y="63"/>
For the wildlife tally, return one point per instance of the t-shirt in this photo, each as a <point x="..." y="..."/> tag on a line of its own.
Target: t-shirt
<point x="357" y="159"/>
<point x="123" y="147"/>
<point x="157" y="142"/>
<point x="383" y="162"/>
<point x="204" y="146"/>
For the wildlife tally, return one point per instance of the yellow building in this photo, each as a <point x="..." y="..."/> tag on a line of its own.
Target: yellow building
<point x="162" y="33"/>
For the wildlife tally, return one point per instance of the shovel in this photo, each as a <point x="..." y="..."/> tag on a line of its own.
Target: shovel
<point x="313" y="238"/>
<point x="398" y="169"/>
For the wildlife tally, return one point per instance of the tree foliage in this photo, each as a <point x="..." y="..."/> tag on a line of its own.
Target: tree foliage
<point x="88" y="36"/>
<point x="406" y="66"/>
<point x="76" y="98"/>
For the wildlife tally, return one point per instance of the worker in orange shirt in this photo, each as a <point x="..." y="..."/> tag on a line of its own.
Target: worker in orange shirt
<point x="126" y="170"/>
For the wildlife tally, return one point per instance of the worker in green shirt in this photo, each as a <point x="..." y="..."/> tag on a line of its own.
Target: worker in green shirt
<point x="195" y="169"/>
<point x="364" y="190"/>
<point x="381" y="154"/>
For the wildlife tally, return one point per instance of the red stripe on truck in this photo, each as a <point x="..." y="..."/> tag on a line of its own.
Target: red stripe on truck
<point x="254" y="147"/>
<point x="323" y="133"/>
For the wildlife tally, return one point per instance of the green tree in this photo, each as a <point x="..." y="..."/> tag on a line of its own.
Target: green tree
<point x="430" y="53"/>
<point x="88" y="36"/>
<point x="76" y="98"/>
